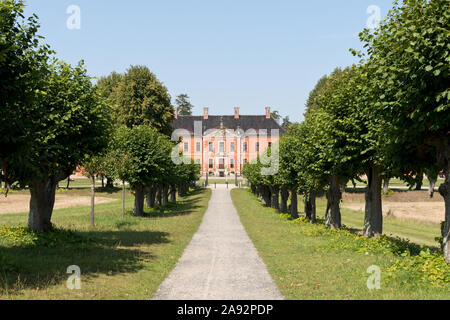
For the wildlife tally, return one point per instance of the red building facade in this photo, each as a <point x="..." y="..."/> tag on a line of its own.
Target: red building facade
<point x="222" y="144"/>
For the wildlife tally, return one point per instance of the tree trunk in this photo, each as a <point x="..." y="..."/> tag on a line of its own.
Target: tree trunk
<point x="103" y="182"/>
<point x="310" y="206"/>
<point x="275" y="201"/>
<point x="41" y="204"/>
<point x="444" y="190"/>
<point x="150" y="196"/>
<point x="334" y="196"/>
<point x="109" y="183"/>
<point x="123" y="199"/>
<point x="139" y="195"/>
<point x="284" y="199"/>
<point x="173" y="194"/>
<point x="93" y="202"/>
<point x="68" y="183"/>
<point x="433" y="181"/>
<point x="420" y="183"/>
<point x="180" y="190"/>
<point x="165" y="195"/>
<point x="343" y="186"/>
<point x="373" y="221"/>
<point x="294" y="203"/>
<point x="386" y="185"/>
<point x="266" y="194"/>
<point x="158" y="195"/>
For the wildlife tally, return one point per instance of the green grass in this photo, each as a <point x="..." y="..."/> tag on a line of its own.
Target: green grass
<point x="418" y="232"/>
<point x="80" y="183"/>
<point x="395" y="182"/>
<point x="119" y="258"/>
<point x="308" y="262"/>
<point x="219" y="181"/>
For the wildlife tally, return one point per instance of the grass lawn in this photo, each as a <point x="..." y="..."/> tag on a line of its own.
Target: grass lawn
<point x="308" y="264"/>
<point x="119" y="258"/>
<point x="212" y="181"/>
<point x="395" y="182"/>
<point x="423" y="233"/>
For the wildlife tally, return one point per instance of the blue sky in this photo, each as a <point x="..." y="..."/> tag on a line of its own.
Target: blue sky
<point x="223" y="54"/>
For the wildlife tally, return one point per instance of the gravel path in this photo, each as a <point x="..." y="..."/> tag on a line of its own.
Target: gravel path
<point x="221" y="262"/>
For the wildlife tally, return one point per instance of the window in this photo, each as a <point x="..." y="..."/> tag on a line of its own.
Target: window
<point x="232" y="147"/>
<point x="211" y="163"/>
<point x="245" y="146"/>
<point x="257" y="146"/>
<point x="186" y="147"/>
<point x="231" y="163"/>
<point x="221" y="146"/>
<point x="211" y="147"/>
<point x="198" y="147"/>
<point x="197" y="161"/>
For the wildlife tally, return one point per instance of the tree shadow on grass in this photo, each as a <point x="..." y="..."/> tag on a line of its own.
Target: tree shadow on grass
<point x="96" y="253"/>
<point x="181" y="208"/>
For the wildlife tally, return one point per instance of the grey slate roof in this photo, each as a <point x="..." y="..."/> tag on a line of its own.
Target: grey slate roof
<point x="214" y="122"/>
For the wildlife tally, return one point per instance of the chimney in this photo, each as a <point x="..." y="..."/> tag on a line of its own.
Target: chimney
<point x="268" y="116"/>
<point x="236" y="113"/>
<point x="175" y="112"/>
<point x="206" y="113"/>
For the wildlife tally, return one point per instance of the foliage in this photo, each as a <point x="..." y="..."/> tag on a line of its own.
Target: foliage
<point x="69" y="122"/>
<point x="141" y="99"/>
<point x="184" y="105"/>
<point x="146" y="153"/>
<point x="24" y="237"/>
<point x="316" y="92"/>
<point x="408" y="58"/>
<point x="286" y="123"/>
<point x="23" y="64"/>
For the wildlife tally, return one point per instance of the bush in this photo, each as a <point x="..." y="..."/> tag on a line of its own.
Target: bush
<point x="427" y="267"/>
<point x="24" y="237"/>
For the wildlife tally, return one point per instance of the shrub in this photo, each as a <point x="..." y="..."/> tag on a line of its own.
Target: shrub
<point x="24" y="237"/>
<point x="414" y="264"/>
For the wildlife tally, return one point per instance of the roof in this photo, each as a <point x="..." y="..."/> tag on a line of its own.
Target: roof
<point x="229" y="122"/>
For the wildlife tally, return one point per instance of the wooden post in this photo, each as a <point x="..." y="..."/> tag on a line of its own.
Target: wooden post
<point x="92" y="200"/>
<point x="123" y="199"/>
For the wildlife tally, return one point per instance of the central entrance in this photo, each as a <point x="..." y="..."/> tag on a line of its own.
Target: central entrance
<point x="222" y="167"/>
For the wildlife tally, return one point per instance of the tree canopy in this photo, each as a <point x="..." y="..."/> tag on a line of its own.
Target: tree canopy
<point x="184" y="105"/>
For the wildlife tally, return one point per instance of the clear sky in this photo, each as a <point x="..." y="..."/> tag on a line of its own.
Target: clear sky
<point x="223" y="54"/>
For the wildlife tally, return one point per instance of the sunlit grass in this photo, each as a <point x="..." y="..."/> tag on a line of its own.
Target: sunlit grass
<point x="123" y="259"/>
<point x="305" y="266"/>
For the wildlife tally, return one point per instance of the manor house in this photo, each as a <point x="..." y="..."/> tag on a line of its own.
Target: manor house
<point x="223" y="144"/>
